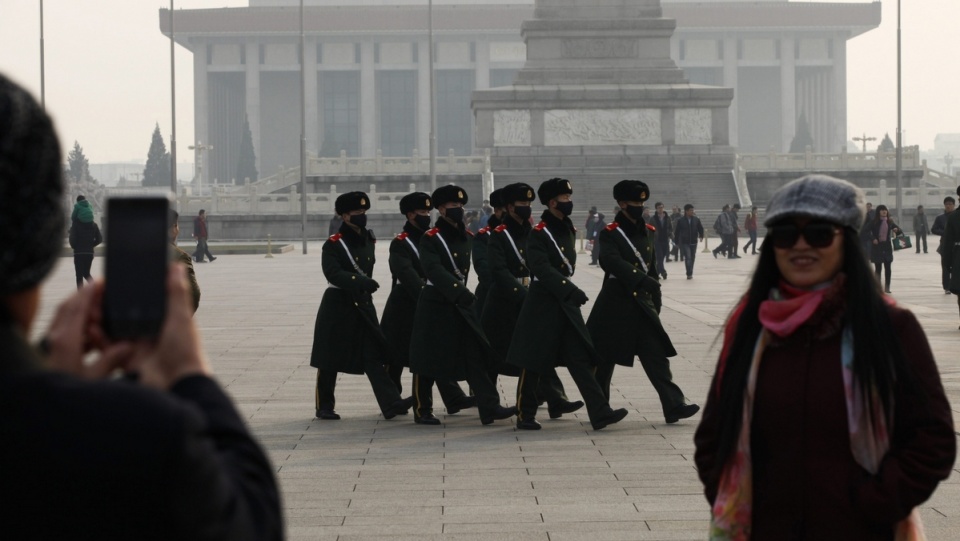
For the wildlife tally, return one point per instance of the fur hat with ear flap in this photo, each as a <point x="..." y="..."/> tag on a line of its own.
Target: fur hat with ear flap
<point x="351" y="201"/>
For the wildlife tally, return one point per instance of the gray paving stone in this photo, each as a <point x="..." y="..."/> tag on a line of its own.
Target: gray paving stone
<point x="368" y="478"/>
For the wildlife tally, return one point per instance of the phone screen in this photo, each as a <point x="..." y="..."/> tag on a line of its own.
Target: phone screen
<point x="138" y="255"/>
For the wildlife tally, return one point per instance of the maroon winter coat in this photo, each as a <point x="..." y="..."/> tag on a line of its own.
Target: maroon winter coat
<point x="806" y="484"/>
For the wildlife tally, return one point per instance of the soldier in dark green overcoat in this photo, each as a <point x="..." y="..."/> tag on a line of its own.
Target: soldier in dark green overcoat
<point x="510" y="280"/>
<point x="398" y="314"/>
<point x="447" y="341"/>
<point x="481" y="267"/>
<point x="550" y="329"/>
<point x="950" y="251"/>
<point x="346" y="336"/>
<point x="625" y="320"/>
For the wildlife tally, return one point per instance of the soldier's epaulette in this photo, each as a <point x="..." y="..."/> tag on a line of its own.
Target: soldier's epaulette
<point x="470" y="232"/>
<point x="651" y="228"/>
<point x="501" y="228"/>
<point x="336" y="238"/>
<point x="612" y="226"/>
<point x="540" y="226"/>
<point x="432" y="232"/>
<point x="402" y="236"/>
<point x="483" y="230"/>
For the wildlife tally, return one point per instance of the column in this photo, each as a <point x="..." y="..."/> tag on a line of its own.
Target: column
<point x="788" y="93"/>
<point x="253" y="96"/>
<point x="201" y="117"/>
<point x="368" y="102"/>
<point x="423" y="97"/>
<point x="730" y="66"/>
<point x="481" y="81"/>
<point x="310" y="95"/>
<point x="838" y="112"/>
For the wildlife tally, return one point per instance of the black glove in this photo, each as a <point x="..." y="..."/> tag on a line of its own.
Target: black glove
<point x="658" y="301"/>
<point x="578" y="297"/>
<point x="649" y="285"/>
<point x="466" y="299"/>
<point x="371" y="286"/>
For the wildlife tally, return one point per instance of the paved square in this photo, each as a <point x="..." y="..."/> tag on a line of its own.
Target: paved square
<point x="368" y="478"/>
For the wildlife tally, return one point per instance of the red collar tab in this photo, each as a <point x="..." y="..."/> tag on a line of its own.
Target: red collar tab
<point x="403" y="236"/>
<point x="612" y="226"/>
<point x="336" y="238"/>
<point x="540" y="226"/>
<point x="651" y="228"/>
<point x="469" y="232"/>
<point x="501" y="228"/>
<point x="432" y="232"/>
<point x="483" y="230"/>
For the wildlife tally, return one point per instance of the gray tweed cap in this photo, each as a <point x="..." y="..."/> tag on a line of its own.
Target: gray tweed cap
<point x="821" y="197"/>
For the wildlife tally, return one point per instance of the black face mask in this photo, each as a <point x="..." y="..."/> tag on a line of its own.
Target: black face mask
<point x="423" y="222"/>
<point x="455" y="214"/>
<point x="634" y="212"/>
<point x="565" y="208"/>
<point x="523" y="213"/>
<point x="359" y="220"/>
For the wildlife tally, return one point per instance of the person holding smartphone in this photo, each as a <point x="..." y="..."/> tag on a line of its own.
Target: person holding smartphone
<point x="163" y="455"/>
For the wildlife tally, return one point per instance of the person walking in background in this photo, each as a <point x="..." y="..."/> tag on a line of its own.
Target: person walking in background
<point x="866" y="238"/>
<point x="200" y="233"/>
<point x="826" y="417"/>
<point x="625" y="320"/>
<point x="750" y="225"/>
<point x="950" y="255"/>
<point x="939" y="226"/>
<point x="733" y="238"/>
<point x="688" y="233"/>
<point x="84" y="236"/>
<point x="920" y="228"/>
<point x="881" y="254"/>
<point x="674" y="250"/>
<point x="598" y="226"/>
<point x="722" y="227"/>
<point x="663" y="231"/>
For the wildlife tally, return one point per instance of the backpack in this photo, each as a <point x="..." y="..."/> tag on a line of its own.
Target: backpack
<point x="716" y="224"/>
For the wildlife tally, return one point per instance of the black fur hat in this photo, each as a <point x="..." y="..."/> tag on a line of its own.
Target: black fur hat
<point x="446" y="194"/>
<point x="415" y="201"/>
<point x="517" y="192"/>
<point x="352" y="201"/>
<point x="552" y="188"/>
<point x="631" y="190"/>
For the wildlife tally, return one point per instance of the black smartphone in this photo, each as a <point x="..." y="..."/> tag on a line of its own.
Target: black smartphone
<point x="138" y="255"/>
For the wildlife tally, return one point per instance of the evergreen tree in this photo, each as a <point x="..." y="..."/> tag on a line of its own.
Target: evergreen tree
<point x="78" y="168"/>
<point x="802" y="139"/>
<point x="157" y="171"/>
<point x="887" y="144"/>
<point x="247" y="162"/>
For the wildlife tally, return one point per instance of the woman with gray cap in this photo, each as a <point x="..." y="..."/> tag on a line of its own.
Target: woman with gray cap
<point x="826" y="418"/>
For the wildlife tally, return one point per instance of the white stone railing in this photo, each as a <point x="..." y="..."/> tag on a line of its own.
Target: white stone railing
<point x="912" y="197"/>
<point x="222" y="201"/>
<point x="377" y="165"/>
<point x="773" y="161"/>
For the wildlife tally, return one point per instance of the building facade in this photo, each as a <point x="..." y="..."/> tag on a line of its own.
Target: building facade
<point x="367" y="72"/>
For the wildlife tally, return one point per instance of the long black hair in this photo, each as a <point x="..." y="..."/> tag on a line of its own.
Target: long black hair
<point x="878" y="356"/>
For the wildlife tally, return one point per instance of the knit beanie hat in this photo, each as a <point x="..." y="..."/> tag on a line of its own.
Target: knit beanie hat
<point x="820" y="197"/>
<point x="31" y="213"/>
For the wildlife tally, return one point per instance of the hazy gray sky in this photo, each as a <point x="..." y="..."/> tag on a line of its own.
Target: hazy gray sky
<point x="108" y="72"/>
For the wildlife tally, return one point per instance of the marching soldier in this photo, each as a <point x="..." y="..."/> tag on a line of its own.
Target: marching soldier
<point x="346" y="336"/>
<point x="480" y="265"/>
<point x="506" y="254"/>
<point x="398" y="314"/>
<point x="447" y="342"/>
<point x="550" y="330"/>
<point x="625" y="319"/>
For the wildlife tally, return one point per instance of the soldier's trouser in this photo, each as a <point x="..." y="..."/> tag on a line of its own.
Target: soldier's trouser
<point x="658" y="372"/>
<point x="450" y="392"/>
<point x="383" y="387"/>
<point x="582" y="374"/>
<point x="550" y="389"/>
<point x="395" y="371"/>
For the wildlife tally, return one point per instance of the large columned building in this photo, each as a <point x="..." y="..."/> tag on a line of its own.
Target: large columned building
<point x="367" y="72"/>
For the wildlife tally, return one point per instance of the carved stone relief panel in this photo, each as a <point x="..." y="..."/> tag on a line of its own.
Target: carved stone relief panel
<point x="511" y="127"/>
<point x="694" y="126"/>
<point x="600" y="48"/>
<point x="576" y="127"/>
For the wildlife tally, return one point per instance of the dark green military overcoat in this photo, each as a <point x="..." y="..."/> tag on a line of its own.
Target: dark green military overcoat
<point x="444" y="333"/>
<point x="624" y="321"/>
<point x="408" y="281"/>
<point x="510" y="280"/>
<point x="481" y="267"/>
<point x="547" y="312"/>
<point x="950" y="250"/>
<point x="347" y="320"/>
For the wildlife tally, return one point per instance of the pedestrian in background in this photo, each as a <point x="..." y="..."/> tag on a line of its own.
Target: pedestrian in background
<point x="183" y="257"/>
<point x="200" y="233"/>
<point x="722" y="227"/>
<point x="950" y="255"/>
<point x="688" y="233"/>
<point x="866" y="238"/>
<point x="598" y="225"/>
<point x="939" y="226"/>
<point x="920" y="228"/>
<point x="84" y="236"/>
<point x="750" y="225"/>
<point x="663" y="231"/>
<point x="826" y="417"/>
<point x="674" y="250"/>
<point x="882" y="230"/>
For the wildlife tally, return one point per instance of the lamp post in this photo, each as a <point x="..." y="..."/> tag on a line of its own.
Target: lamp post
<point x="899" y="126"/>
<point x="303" y="135"/>
<point x="864" y="139"/>
<point x="173" y="112"/>
<point x="948" y="161"/>
<point x="433" y="103"/>
<point x="43" y="86"/>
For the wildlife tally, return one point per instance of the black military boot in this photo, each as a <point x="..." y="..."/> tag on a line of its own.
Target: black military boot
<point x="681" y="412"/>
<point x="528" y="424"/>
<point x="327" y="415"/>
<point x="498" y="414"/>
<point x="608" y="418"/>
<point x="557" y="409"/>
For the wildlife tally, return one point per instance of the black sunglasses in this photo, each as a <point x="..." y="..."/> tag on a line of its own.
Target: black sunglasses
<point x="817" y="234"/>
